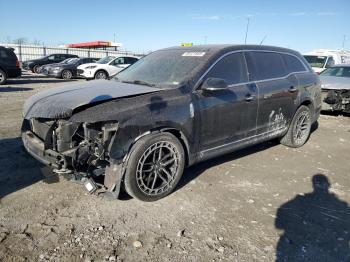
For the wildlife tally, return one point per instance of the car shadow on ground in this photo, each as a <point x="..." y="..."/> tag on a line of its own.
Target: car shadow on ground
<point x="193" y="172"/>
<point x="18" y="168"/>
<point x="14" y="89"/>
<point x="334" y="113"/>
<point x="316" y="226"/>
<point x="35" y="80"/>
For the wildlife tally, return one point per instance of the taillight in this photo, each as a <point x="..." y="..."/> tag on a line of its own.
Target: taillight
<point x="17" y="64"/>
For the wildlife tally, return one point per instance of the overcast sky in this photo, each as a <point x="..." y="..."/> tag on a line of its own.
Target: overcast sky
<point x="150" y="25"/>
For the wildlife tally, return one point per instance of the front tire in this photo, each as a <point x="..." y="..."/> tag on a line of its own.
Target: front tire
<point x="155" y="166"/>
<point x="101" y="75"/>
<point x="3" y="77"/>
<point x="67" y="74"/>
<point x="299" y="130"/>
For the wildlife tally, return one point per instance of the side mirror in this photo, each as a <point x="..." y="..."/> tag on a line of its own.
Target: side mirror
<point x="214" y="84"/>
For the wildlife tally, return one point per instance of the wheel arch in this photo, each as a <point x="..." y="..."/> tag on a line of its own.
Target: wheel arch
<point x="99" y="70"/>
<point x="3" y="69"/>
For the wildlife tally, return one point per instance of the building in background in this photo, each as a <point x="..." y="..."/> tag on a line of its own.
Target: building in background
<point x="99" y="45"/>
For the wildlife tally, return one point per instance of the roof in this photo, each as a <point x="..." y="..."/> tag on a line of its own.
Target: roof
<point x="219" y="48"/>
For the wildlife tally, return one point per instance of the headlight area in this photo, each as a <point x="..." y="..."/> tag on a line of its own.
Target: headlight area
<point x="80" y="150"/>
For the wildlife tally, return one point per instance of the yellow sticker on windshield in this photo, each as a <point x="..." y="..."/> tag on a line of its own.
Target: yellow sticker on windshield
<point x="193" y="54"/>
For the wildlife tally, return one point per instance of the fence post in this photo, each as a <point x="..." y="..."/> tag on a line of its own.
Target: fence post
<point x="67" y="51"/>
<point x="20" y="52"/>
<point x="89" y="53"/>
<point x="44" y="49"/>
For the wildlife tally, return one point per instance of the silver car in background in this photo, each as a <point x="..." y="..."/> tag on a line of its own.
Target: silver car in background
<point x="336" y="88"/>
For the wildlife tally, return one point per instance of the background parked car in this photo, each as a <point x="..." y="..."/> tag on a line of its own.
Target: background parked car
<point x="9" y="64"/>
<point x="35" y="64"/>
<point x="43" y="69"/>
<point x="336" y="88"/>
<point x="105" y="67"/>
<point x="66" y="69"/>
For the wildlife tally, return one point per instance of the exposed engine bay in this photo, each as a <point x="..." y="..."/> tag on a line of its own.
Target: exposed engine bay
<point x="80" y="150"/>
<point x="337" y="100"/>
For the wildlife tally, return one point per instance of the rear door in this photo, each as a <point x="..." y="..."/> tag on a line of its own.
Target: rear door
<point x="278" y="90"/>
<point x="117" y="65"/>
<point x="227" y="116"/>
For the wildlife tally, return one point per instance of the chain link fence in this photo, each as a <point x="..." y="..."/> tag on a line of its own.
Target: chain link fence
<point x="28" y="52"/>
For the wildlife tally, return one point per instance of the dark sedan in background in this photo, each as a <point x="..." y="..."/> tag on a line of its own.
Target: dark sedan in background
<point x="67" y="69"/>
<point x="336" y="88"/>
<point x="35" y="64"/>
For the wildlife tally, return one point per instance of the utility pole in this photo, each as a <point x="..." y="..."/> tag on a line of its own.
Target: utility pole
<point x="344" y="37"/>
<point x="246" y="32"/>
<point x="114" y="38"/>
<point x="205" y="39"/>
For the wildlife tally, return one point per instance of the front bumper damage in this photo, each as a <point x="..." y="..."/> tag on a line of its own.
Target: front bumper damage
<point x="336" y="100"/>
<point x="78" y="150"/>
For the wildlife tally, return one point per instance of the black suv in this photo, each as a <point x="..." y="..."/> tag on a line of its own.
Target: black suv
<point x="35" y="64"/>
<point x="9" y="64"/>
<point x="172" y="109"/>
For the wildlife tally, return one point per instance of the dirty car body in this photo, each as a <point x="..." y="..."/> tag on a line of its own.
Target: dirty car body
<point x="336" y="88"/>
<point x="194" y="103"/>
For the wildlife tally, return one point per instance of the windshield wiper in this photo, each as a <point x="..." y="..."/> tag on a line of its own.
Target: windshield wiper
<point x="139" y="82"/>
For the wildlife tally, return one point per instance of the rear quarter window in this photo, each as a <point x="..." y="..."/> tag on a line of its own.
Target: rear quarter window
<point x="265" y="65"/>
<point x="293" y="64"/>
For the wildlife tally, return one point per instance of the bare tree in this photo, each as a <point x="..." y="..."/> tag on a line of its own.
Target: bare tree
<point x="20" y="41"/>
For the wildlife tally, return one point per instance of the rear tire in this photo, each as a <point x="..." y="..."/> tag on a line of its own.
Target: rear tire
<point x="155" y="166"/>
<point x="67" y="74"/>
<point x="299" y="130"/>
<point x="101" y="75"/>
<point x="36" y="69"/>
<point x="3" y="77"/>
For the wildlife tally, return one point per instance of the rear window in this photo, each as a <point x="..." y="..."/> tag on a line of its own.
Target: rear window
<point x="3" y="53"/>
<point x="265" y="65"/>
<point x="293" y="64"/>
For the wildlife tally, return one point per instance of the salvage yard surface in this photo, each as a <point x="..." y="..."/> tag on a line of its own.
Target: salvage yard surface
<point x="257" y="204"/>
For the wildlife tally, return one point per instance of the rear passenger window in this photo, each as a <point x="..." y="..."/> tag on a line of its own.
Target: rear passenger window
<point x="231" y="68"/>
<point x="3" y="54"/>
<point x="265" y="65"/>
<point x="293" y="64"/>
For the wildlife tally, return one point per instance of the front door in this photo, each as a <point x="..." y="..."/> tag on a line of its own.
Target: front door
<point x="227" y="116"/>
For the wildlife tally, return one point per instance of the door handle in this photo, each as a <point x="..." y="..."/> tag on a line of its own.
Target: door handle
<point x="292" y="89"/>
<point x="249" y="98"/>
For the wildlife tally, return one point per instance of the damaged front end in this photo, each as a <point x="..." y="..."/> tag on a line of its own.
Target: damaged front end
<point x="336" y="100"/>
<point x="78" y="150"/>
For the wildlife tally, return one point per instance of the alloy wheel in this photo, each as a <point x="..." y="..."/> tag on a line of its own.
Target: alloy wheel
<point x="302" y="128"/>
<point x="157" y="168"/>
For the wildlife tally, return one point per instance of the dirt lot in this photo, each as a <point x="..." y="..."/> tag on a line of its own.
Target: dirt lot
<point x="253" y="205"/>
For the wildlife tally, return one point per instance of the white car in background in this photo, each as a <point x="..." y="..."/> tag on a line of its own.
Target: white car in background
<point x="106" y="67"/>
<point x="320" y="59"/>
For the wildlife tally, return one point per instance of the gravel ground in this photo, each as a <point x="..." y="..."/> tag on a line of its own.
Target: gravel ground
<point x="263" y="203"/>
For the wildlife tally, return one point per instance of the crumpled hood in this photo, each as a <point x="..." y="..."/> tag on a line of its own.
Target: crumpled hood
<point x="60" y="102"/>
<point x="335" y="83"/>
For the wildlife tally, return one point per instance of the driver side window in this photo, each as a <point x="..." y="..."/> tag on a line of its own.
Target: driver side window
<point x="330" y="62"/>
<point x="231" y="68"/>
<point x="51" y="58"/>
<point x="119" y="61"/>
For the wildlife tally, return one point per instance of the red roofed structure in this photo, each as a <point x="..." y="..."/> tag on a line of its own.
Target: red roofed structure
<point x="97" y="45"/>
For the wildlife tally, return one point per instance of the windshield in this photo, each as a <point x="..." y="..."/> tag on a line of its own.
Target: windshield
<point x="316" y="61"/>
<point x="105" y="60"/>
<point x="337" y="71"/>
<point x="164" y="68"/>
<point x="72" y="60"/>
